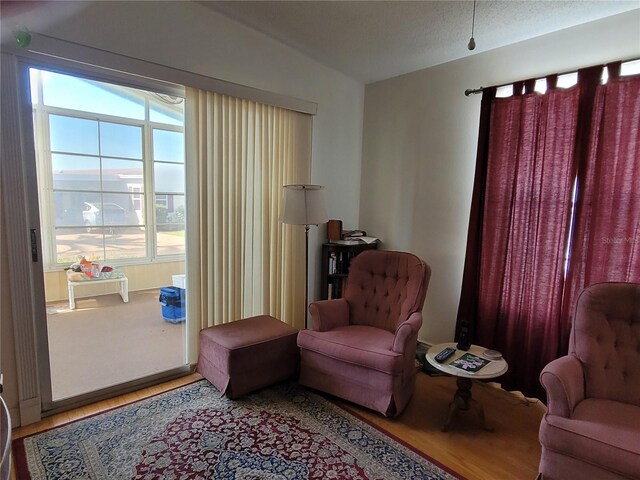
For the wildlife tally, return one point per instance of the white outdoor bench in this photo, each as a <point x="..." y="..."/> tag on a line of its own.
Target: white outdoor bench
<point x="107" y="277"/>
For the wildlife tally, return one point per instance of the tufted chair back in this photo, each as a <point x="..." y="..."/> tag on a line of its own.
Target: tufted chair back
<point x="385" y="288"/>
<point x="606" y="339"/>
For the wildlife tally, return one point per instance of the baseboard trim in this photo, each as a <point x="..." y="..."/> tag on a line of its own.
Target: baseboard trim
<point x="29" y="411"/>
<point x="117" y="390"/>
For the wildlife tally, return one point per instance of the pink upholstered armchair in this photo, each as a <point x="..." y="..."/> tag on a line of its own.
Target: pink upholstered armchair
<point x="362" y="347"/>
<point x="592" y="426"/>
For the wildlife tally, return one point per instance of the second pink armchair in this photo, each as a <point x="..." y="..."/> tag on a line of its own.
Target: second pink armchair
<point x="592" y="426"/>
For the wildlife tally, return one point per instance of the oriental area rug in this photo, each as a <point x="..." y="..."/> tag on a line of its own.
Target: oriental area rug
<point x="192" y="432"/>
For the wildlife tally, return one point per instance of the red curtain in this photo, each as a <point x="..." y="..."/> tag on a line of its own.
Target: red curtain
<point x="606" y="239"/>
<point x="527" y="207"/>
<point x="531" y="149"/>
<point x="468" y="307"/>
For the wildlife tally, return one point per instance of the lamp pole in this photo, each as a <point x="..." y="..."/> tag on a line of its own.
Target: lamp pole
<point x="306" y="274"/>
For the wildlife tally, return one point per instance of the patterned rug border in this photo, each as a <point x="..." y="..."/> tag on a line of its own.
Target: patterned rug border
<point x="17" y="445"/>
<point x="20" y="458"/>
<point x="395" y="438"/>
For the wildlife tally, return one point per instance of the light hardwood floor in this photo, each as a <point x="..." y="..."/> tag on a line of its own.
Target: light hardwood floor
<point x="511" y="452"/>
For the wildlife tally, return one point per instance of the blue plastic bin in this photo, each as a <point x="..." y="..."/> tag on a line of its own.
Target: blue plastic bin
<point x="174" y="309"/>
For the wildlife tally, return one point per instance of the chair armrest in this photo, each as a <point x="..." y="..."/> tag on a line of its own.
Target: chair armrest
<point x="563" y="380"/>
<point x="329" y="314"/>
<point x="405" y="330"/>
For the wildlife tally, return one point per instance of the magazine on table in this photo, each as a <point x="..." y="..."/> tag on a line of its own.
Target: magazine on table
<point x="470" y="363"/>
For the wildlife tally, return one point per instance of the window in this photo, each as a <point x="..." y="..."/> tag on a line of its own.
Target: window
<point x="568" y="80"/>
<point x="169" y="181"/>
<point x="110" y="170"/>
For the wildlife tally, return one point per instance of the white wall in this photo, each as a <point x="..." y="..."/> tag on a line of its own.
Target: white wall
<point x="419" y="147"/>
<point x="191" y="37"/>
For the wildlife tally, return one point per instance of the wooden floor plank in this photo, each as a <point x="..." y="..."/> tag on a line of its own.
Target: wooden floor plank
<point x="512" y="451"/>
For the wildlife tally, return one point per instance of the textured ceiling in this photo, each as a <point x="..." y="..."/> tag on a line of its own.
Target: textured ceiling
<point x="374" y="40"/>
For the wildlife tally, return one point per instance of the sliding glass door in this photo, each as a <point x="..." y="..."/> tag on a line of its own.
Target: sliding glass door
<point x="110" y="168"/>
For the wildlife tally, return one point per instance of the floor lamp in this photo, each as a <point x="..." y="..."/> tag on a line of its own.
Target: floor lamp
<point x="304" y="205"/>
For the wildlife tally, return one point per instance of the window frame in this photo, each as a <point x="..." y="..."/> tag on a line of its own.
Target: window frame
<point x="41" y="114"/>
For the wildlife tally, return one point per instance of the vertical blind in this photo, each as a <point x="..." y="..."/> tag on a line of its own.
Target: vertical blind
<point x="248" y="263"/>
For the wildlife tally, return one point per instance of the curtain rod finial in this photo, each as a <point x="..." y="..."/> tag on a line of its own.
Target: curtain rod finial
<point x="473" y="91"/>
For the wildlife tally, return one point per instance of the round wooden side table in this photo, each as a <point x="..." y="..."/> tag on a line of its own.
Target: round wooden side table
<point x="463" y="400"/>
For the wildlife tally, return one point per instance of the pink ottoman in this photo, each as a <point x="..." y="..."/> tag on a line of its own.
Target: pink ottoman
<point x="248" y="354"/>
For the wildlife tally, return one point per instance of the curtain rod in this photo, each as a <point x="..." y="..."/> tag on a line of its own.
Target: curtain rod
<point x="473" y="91"/>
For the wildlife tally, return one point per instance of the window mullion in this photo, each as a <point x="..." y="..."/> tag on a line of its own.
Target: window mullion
<point x="149" y="194"/>
<point x="102" y="226"/>
<point x="43" y="164"/>
<point x="103" y="117"/>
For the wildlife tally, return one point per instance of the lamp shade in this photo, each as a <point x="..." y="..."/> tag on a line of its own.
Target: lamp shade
<point x="304" y="205"/>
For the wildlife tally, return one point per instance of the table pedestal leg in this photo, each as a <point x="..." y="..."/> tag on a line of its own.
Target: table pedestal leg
<point x="463" y="400"/>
